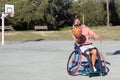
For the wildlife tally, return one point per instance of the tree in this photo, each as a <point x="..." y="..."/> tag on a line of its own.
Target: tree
<point x="108" y="17"/>
<point x="27" y="13"/>
<point x="58" y="12"/>
<point x="115" y="12"/>
<point x="94" y="12"/>
<point x="61" y="13"/>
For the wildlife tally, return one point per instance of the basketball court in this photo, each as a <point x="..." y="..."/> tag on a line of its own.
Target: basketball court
<point x="47" y="60"/>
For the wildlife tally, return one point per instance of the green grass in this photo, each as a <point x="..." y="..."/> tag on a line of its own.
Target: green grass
<point x="106" y="33"/>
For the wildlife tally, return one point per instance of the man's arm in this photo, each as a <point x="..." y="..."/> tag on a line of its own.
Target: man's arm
<point x="93" y="34"/>
<point x="75" y="39"/>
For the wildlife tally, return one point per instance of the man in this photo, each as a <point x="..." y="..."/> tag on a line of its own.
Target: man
<point x="83" y="40"/>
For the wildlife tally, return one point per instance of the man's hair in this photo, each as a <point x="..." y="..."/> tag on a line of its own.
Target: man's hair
<point x="77" y="22"/>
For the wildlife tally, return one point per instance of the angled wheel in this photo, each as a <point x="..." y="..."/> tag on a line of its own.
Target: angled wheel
<point x="101" y="64"/>
<point x="74" y="62"/>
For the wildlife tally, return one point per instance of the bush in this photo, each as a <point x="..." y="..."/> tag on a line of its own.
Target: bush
<point x="94" y="13"/>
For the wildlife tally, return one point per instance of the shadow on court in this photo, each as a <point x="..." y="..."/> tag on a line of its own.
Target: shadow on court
<point x="116" y="52"/>
<point x="32" y="40"/>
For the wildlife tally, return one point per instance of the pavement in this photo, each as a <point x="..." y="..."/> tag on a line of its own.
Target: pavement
<point x="47" y="60"/>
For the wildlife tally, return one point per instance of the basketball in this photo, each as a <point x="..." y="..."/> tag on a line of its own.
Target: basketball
<point x="77" y="31"/>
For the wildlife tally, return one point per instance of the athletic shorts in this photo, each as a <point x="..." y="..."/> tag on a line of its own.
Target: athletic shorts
<point x="86" y="47"/>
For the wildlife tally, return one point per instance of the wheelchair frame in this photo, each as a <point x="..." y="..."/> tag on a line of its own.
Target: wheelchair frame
<point x="77" y="66"/>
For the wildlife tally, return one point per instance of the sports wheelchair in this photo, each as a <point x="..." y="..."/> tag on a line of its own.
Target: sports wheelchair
<point x="80" y="64"/>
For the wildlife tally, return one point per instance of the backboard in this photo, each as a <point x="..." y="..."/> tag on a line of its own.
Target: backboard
<point x="9" y="9"/>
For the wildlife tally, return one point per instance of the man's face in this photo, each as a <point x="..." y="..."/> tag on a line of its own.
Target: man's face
<point x="76" y="22"/>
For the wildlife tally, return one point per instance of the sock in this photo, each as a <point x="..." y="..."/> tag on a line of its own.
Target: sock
<point x="94" y="68"/>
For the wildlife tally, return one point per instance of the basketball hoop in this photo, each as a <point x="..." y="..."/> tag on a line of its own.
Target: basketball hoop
<point x="9" y="9"/>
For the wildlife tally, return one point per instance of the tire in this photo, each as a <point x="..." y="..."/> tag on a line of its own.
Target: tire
<point x="99" y="64"/>
<point x="102" y="64"/>
<point x="74" y="61"/>
<point x="89" y="62"/>
<point x="99" y="61"/>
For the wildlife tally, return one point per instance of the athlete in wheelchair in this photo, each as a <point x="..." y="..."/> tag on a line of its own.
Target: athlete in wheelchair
<point x="81" y="35"/>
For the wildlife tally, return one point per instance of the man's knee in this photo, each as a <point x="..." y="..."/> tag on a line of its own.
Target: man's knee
<point x="87" y="52"/>
<point x="91" y="51"/>
<point x="94" y="51"/>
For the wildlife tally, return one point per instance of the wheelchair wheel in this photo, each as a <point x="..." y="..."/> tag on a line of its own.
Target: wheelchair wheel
<point x="74" y="62"/>
<point x="99" y="62"/>
<point x="102" y="64"/>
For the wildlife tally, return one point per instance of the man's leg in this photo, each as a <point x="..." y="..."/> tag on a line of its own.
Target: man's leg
<point x="90" y="53"/>
<point x="87" y="55"/>
<point x="94" y="54"/>
<point x="93" y="58"/>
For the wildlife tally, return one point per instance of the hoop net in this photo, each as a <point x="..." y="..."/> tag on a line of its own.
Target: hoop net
<point x="11" y="14"/>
